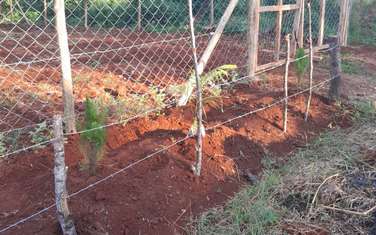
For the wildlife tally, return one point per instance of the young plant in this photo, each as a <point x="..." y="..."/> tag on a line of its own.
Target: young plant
<point x="211" y="83"/>
<point x="40" y="134"/>
<point x="301" y="64"/>
<point x="93" y="138"/>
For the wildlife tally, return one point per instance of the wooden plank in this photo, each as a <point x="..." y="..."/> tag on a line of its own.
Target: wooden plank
<point x="287" y="7"/>
<point x="210" y="48"/>
<point x="321" y="22"/>
<point x="270" y="65"/>
<point x="217" y="35"/>
<point x="253" y="34"/>
<point x="278" y="30"/>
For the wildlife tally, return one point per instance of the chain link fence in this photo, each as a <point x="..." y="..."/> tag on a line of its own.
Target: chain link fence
<point x="128" y="55"/>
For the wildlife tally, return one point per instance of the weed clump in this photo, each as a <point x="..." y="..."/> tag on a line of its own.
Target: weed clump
<point x="93" y="137"/>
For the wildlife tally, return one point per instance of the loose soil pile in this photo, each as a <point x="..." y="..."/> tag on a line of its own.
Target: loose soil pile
<point x="160" y="195"/>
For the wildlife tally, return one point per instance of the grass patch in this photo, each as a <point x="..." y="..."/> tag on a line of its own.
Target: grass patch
<point x="250" y="212"/>
<point x="282" y="202"/>
<point x="352" y="67"/>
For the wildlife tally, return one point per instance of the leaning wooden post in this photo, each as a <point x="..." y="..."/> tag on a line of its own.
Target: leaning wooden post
<point x="321" y="23"/>
<point x="253" y="31"/>
<point x="139" y="15"/>
<point x="217" y="35"/>
<point x="286" y="83"/>
<point x="310" y="60"/>
<point x="66" y="70"/>
<point x="335" y="68"/>
<point x="210" y="47"/>
<point x="278" y="30"/>
<point x="199" y="134"/>
<point x="63" y="215"/>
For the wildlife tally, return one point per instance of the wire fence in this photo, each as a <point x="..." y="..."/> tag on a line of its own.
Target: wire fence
<point x="130" y="56"/>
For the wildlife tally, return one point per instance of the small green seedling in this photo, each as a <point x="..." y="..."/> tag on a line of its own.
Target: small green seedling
<point x="93" y="138"/>
<point x="301" y="64"/>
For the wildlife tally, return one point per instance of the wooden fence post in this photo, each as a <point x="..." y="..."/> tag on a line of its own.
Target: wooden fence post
<point x="286" y="82"/>
<point x="301" y="25"/>
<point x="296" y="28"/>
<point x="63" y="215"/>
<point x="344" y="21"/>
<point x="199" y="134"/>
<point x="310" y="60"/>
<point x="45" y="12"/>
<point x="253" y="34"/>
<point x="86" y="14"/>
<point x="211" y="20"/>
<point x="139" y="15"/>
<point x="66" y="70"/>
<point x="321" y="23"/>
<point x="335" y="68"/>
<point x="278" y="30"/>
<point x="296" y="25"/>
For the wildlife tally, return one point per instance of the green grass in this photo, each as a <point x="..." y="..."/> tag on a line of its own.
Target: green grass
<point x="250" y="212"/>
<point x="284" y="194"/>
<point x="352" y="67"/>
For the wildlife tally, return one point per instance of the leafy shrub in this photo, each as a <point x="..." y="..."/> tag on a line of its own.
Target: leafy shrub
<point x="93" y="138"/>
<point x="40" y="134"/>
<point x="210" y="84"/>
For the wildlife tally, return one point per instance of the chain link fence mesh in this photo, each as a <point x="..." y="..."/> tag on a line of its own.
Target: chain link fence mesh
<point x="127" y="54"/>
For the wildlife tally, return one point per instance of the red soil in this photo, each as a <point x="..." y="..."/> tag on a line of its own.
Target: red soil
<point x="159" y="195"/>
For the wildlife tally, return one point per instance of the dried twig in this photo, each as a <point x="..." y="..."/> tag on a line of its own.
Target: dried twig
<point x="318" y="190"/>
<point x="364" y="213"/>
